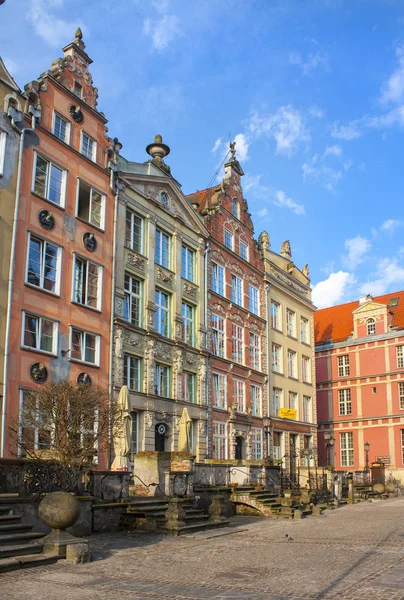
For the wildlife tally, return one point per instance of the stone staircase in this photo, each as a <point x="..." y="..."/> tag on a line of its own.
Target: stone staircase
<point x="152" y="511"/>
<point x="267" y="503"/>
<point x="18" y="549"/>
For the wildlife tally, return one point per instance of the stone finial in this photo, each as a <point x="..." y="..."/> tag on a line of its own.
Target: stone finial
<point x="306" y="271"/>
<point x="157" y="150"/>
<point x="286" y="251"/>
<point x="79" y="34"/>
<point x="78" y="39"/>
<point x="263" y="241"/>
<point x="233" y="150"/>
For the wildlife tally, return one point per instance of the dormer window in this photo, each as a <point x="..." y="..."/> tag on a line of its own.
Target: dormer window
<point x="371" y="326"/>
<point x="235" y="208"/>
<point x="78" y="89"/>
<point x="164" y="199"/>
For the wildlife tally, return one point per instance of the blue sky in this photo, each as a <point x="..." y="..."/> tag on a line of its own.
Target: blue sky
<point x="312" y="91"/>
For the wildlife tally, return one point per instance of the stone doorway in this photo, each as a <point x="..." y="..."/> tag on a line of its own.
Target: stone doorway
<point x="239" y="448"/>
<point x="160" y="437"/>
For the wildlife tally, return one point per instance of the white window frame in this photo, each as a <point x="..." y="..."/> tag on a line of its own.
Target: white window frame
<point x="90" y="218"/>
<point x="132" y="373"/>
<point x="256" y="400"/>
<point x="188" y="263"/>
<point x="292" y="364"/>
<point x="290" y="323"/>
<point x="237" y="341"/>
<point x="67" y="129"/>
<point x="228" y="239"/>
<point x="344" y="402"/>
<point x="189" y="387"/>
<point x="276" y="320"/>
<point x="3" y="137"/>
<point x="38" y="333"/>
<point x="217" y="279"/>
<point x="400" y="356"/>
<point x="48" y="180"/>
<point x="37" y="445"/>
<point x="44" y="244"/>
<point x="162" y="380"/>
<point x="276" y="450"/>
<point x="293" y="399"/>
<point x="343" y="366"/>
<point x="307" y="409"/>
<point x="162" y="316"/>
<point x="243" y="250"/>
<point x="401" y="394"/>
<point x="277" y="400"/>
<point x="239" y="395"/>
<point x="163" y="249"/>
<point x="253" y="299"/>
<point x="188" y="323"/>
<point x="347" y="449"/>
<point x="93" y="156"/>
<point x="219" y="390"/>
<point x="133" y="301"/>
<point x="371" y="326"/>
<point x="236" y="290"/>
<point x="85" y="283"/>
<point x="277" y="358"/>
<point x="85" y="333"/>
<point x="306" y="369"/>
<point x="304" y="330"/>
<point x="256" y="443"/>
<point x="218" y="328"/>
<point x="135" y="240"/>
<point x="219" y="440"/>
<point x="255" y="351"/>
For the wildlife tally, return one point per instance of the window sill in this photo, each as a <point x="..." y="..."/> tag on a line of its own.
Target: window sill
<point x="38" y="351"/>
<point x="96" y="227"/>
<point x="292" y="337"/>
<point x="84" y="362"/>
<point x="39" y="289"/>
<point x="59" y="206"/>
<point x="97" y="310"/>
<point x="277" y="372"/>
<point x="276" y="329"/>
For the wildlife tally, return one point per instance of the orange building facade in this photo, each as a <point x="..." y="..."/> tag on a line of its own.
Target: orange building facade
<point x="360" y="383"/>
<point x="236" y="318"/>
<point x="61" y="311"/>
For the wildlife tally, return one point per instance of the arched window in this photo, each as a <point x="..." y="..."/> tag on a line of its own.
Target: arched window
<point x="371" y="326"/>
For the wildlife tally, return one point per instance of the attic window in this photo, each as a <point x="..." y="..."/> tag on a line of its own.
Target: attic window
<point x="78" y="89"/>
<point x="392" y="302"/>
<point x="371" y="326"/>
<point x="164" y="199"/>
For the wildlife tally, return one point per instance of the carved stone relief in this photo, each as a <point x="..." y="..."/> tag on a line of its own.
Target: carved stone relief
<point x="164" y="276"/>
<point x="136" y="261"/>
<point x="163" y="351"/>
<point x="119" y="307"/>
<point x="190" y="290"/>
<point x="148" y="419"/>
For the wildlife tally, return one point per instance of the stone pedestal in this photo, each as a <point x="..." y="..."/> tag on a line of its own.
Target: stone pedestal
<point x="175" y="514"/>
<point x="217" y="508"/>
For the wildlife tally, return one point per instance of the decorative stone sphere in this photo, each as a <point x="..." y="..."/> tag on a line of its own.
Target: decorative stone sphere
<point x="390" y="487"/>
<point x="378" y="488"/>
<point x="59" y="510"/>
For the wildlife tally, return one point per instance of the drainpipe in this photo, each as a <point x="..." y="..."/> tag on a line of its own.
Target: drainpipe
<point x="11" y="275"/>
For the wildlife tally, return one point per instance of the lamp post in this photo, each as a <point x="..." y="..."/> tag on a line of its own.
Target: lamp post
<point x="367" y="448"/>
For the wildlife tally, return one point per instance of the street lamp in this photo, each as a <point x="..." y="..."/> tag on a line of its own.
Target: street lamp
<point x="367" y="448"/>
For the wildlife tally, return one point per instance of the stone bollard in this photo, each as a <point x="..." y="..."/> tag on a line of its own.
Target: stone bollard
<point x="217" y="508"/>
<point x="351" y="491"/>
<point x="175" y="514"/>
<point x="316" y="510"/>
<point x="298" y="514"/>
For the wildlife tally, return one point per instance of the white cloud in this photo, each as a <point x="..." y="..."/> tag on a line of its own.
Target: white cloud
<point x="358" y="248"/>
<point x="388" y="276"/>
<point x="322" y="174"/>
<point x="162" y="31"/>
<point x="251" y="181"/>
<point x="316" y="112"/>
<point x="286" y="127"/>
<point x="335" y="150"/>
<point x="217" y="145"/>
<point x="54" y="31"/>
<point x="311" y="62"/>
<point x="283" y="201"/>
<point x="393" y="89"/>
<point x="390" y="225"/>
<point x="349" y="132"/>
<point x="333" y="289"/>
<point x="242" y="146"/>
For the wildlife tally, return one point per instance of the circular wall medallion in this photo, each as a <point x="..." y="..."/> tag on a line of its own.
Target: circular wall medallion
<point x="46" y="219"/>
<point x="76" y="113"/>
<point x="39" y="372"/>
<point x="84" y="378"/>
<point x="89" y="241"/>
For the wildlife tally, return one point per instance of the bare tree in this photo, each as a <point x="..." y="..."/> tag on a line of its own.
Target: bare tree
<point x="68" y="422"/>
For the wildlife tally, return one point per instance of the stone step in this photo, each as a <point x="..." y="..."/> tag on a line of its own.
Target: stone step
<point x="4" y="519"/>
<point x="23" y="562"/>
<point x="9" y="495"/>
<point x="16" y="538"/>
<point x="145" y="508"/>
<point x="201" y="517"/>
<point x="20" y="550"/>
<point x="198" y="527"/>
<point x="14" y="528"/>
<point x="5" y="509"/>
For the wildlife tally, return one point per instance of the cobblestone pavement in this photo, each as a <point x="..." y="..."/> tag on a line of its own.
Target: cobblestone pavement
<point x="353" y="553"/>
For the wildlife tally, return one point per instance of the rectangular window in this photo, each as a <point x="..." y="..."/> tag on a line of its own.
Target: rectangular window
<point x="307" y="409"/>
<point x="401" y="394"/>
<point x="219" y="390"/>
<point x="88" y="146"/>
<point x="218" y="279"/>
<point x="134" y="231"/>
<point x="162" y="380"/>
<point x="49" y="181"/>
<point x="132" y="305"/>
<point x="87" y="283"/>
<point x="61" y="128"/>
<point x="292" y="371"/>
<point x="218" y="335"/>
<point x="237" y="344"/>
<point x="306" y="374"/>
<point x="219" y="440"/>
<point x="228" y="239"/>
<point x="131" y="372"/>
<point x="400" y="357"/>
<point x="256" y="401"/>
<point x="239" y="395"/>
<point x="38" y="436"/>
<point x="276" y="321"/>
<point x="39" y="333"/>
<point x="243" y="251"/>
<point x="347" y="449"/>
<point x="84" y="346"/>
<point x="256" y="443"/>
<point x="253" y="300"/>
<point x="291" y="322"/>
<point x="43" y="265"/>
<point x="3" y="137"/>
<point x="162" y="314"/>
<point x="188" y="264"/>
<point x="277" y="445"/>
<point x="345" y="403"/>
<point x="163" y="248"/>
<point x="277" y="358"/>
<point x="234" y="208"/>
<point x="292" y="400"/>
<point x="188" y="324"/>
<point x="90" y="204"/>
<point x="135" y="435"/>
<point x="255" y="347"/>
<point x="343" y="365"/>
<point x="236" y="290"/>
<point x="304" y="330"/>
<point x="276" y="400"/>
<point x="189" y="387"/>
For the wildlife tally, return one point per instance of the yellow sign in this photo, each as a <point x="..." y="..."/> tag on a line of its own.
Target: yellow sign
<point x="287" y="413"/>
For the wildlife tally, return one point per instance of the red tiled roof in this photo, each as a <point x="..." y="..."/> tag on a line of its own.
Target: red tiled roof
<point x="336" y="323"/>
<point x="203" y="196"/>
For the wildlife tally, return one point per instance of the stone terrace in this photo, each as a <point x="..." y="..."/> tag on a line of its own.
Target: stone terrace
<point x="355" y="552"/>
